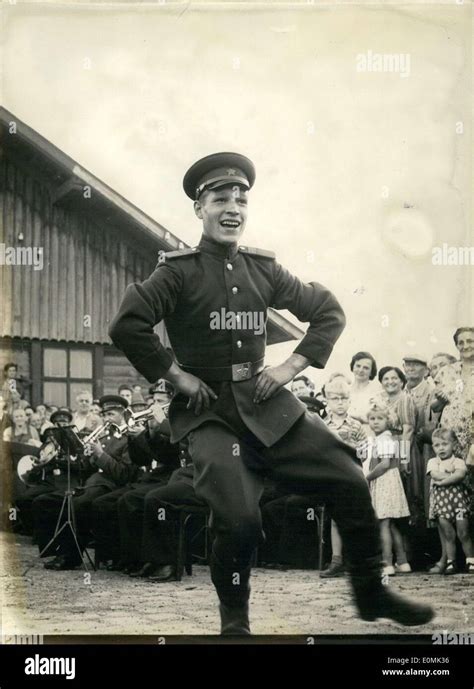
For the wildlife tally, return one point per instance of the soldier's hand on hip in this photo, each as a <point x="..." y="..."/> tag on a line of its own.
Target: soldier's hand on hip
<point x="199" y="393"/>
<point x="271" y="380"/>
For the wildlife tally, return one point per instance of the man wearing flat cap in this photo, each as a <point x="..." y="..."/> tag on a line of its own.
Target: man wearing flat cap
<point x="422" y="391"/>
<point x="240" y="421"/>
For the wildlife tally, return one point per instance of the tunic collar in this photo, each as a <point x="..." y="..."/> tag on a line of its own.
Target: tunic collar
<point x="210" y="246"/>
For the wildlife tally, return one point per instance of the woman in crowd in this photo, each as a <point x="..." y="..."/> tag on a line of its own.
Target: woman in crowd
<point x="402" y="424"/>
<point x="464" y="341"/>
<point x="40" y="423"/>
<point x="21" y="431"/>
<point x="457" y="410"/>
<point x="438" y="361"/>
<point x="364" y="387"/>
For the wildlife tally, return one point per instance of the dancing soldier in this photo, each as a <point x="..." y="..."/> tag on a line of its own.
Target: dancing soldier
<point x="240" y="421"/>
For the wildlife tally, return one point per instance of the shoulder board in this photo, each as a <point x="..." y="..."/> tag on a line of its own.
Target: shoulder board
<point x="170" y="255"/>
<point x="252" y="251"/>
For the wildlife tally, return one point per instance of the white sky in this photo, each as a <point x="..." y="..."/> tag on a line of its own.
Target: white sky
<point x="137" y="93"/>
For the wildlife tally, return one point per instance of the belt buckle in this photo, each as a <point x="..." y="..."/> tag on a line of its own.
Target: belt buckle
<point x="241" y="371"/>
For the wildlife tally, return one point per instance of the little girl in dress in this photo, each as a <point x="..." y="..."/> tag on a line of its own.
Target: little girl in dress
<point x="386" y="488"/>
<point x="449" y="500"/>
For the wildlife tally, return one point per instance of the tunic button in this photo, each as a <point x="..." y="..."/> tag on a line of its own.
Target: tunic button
<point x="239" y="343"/>
<point x="235" y="290"/>
<point x="230" y="266"/>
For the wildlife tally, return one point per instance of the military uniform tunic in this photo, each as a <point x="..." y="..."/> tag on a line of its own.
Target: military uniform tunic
<point x="189" y="286"/>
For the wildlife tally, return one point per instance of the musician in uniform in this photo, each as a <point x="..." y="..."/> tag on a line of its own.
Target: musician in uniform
<point x="158" y="526"/>
<point x="45" y="475"/>
<point x="108" y="459"/>
<point x="240" y="421"/>
<point x="118" y="541"/>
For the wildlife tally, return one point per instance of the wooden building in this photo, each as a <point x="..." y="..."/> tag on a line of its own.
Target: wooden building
<point x="54" y="320"/>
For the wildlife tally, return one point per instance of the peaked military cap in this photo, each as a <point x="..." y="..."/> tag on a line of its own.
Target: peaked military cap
<point x="217" y="170"/>
<point x="63" y="413"/>
<point x="161" y="385"/>
<point x="108" y="402"/>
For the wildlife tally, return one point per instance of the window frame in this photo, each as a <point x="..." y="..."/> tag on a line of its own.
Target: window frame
<point x="68" y="380"/>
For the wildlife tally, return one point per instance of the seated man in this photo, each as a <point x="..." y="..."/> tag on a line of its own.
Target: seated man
<point x="156" y="519"/>
<point x="39" y="481"/>
<point x="46" y="512"/>
<point x="109" y="458"/>
<point x="150" y="450"/>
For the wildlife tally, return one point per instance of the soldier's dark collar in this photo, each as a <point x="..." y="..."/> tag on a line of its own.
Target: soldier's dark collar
<point x="210" y="246"/>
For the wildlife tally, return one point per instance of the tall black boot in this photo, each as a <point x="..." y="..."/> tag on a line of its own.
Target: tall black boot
<point x="235" y="620"/>
<point x="375" y="600"/>
<point x="233" y="596"/>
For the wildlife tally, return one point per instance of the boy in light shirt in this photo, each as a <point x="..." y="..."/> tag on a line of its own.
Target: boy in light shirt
<point x="337" y="392"/>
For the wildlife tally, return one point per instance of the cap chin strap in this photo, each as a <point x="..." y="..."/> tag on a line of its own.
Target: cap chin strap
<point x="208" y="182"/>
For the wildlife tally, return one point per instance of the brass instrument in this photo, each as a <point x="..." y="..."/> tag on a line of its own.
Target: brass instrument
<point x="100" y="432"/>
<point x="48" y="452"/>
<point x="133" y="418"/>
<point x="24" y="466"/>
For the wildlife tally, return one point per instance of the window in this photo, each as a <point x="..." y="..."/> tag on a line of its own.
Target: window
<point x="66" y="371"/>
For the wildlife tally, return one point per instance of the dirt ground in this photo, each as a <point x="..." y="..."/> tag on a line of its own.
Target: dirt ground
<point x="37" y="601"/>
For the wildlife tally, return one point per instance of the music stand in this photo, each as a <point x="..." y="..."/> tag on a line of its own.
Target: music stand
<point x="70" y="444"/>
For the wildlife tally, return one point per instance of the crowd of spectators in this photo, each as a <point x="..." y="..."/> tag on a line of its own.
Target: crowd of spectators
<point x="409" y="422"/>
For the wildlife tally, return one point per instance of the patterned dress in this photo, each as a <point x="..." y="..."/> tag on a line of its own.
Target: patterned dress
<point x="449" y="502"/>
<point x="402" y="411"/>
<point x="387" y="492"/>
<point x="459" y="416"/>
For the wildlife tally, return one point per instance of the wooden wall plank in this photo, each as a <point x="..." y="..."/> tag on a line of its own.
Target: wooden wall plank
<point x="70" y="272"/>
<point x="91" y="280"/>
<point x="63" y="270"/>
<point x="54" y="277"/>
<point x="26" y="271"/>
<point x="37" y="276"/>
<point x="3" y="171"/>
<point x="106" y="282"/>
<point x="87" y="266"/>
<point x="43" y="221"/>
<point x="80" y="269"/>
<point x="18" y="224"/>
<point x="9" y="220"/>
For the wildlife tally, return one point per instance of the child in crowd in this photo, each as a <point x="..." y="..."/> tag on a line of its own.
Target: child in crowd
<point x="337" y="391"/>
<point x="449" y="501"/>
<point x="386" y="488"/>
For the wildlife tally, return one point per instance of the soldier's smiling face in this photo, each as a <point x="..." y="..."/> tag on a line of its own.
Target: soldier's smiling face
<point x="223" y="212"/>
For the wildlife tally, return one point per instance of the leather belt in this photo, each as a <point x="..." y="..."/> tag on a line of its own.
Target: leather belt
<point x="235" y="373"/>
